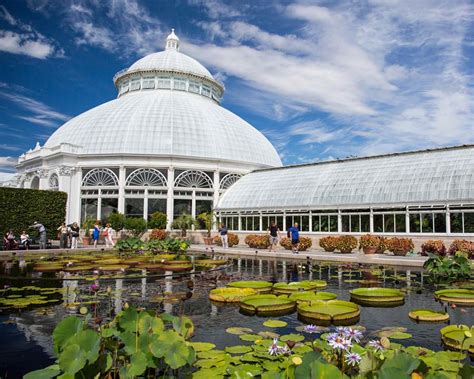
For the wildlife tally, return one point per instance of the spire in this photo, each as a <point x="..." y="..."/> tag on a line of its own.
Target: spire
<point x="172" y="41"/>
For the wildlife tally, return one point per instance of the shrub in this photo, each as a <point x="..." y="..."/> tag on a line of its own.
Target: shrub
<point x="257" y="241"/>
<point x="400" y="246"/>
<point x="382" y="245"/>
<point x="168" y="245"/>
<point x="462" y="246"/>
<point x="345" y="244"/>
<point x="87" y="225"/>
<point x="305" y="243"/>
<point x="135" y="225"/>
<point x="447" y="269"/>
<point x="183" y="223"/>
<point x="435" y="247"/>
<point x="129" y="244"/>
<point x="328" y="243"/>
<point x="232" y="239"/>
<point x="207" y="220"/>
<point x="116" y="220"/>
<point x="157" y="220"/>
<point x="19" y="208"/>
<point x="158" y="234"/>
<point x="369" y="241"/>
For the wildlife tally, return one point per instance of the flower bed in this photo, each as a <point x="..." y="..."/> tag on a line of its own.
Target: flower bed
<point x="462" y="246"/>
<point x="258" y="241"/>
<point x="345" y="244"/>
<point x="369" y="243"/>
<point x="400" y="246"/>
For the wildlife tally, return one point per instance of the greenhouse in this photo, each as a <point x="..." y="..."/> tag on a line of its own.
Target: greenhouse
<point x="425" y="192"/>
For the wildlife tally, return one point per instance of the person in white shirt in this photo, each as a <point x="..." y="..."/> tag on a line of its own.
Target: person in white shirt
<point x="25" y="240"/>
<point x="108" y="234"/>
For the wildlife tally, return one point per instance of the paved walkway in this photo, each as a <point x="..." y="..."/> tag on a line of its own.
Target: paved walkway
<point x="315" y="255"/>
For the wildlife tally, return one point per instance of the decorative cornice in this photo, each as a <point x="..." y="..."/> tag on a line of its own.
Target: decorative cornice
<point x="66" y="170"/>
<point x="42" y="173"/>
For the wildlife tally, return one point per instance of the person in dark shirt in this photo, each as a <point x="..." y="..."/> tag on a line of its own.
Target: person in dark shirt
<point x="295" y="237"/>
<point x="224" y="237"/>
<point x="274" y="232"/>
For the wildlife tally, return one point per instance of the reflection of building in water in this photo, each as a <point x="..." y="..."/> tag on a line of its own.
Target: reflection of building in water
<point x="168" y="306"/>
<point x="118" y="303"/>
<point x="70" y="287"/>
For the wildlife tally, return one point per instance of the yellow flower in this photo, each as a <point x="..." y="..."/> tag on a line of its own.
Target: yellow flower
<point x="468" y="334"/>
<point x="297" y="361"/>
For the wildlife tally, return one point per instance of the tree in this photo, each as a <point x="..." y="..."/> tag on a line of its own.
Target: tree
<point x="183" y="222"/>
<point x="208" y="220"/>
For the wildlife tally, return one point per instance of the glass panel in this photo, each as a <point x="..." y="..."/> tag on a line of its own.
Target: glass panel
<point x="134" y="207"/>
<point x="315" y="221"/>
<point x="355" y="227"/>
<point x="456" y="222"/>
<point x="440" y="223"/>
<point x="182" y="206"/>
<point x="289" y="222"/>
<point x="400" y="222"/>
<point x="279" y="221"/>
<point x="325" y="223"/>
<point x="378" y="223"/>
<point x="107" y="207"/>
<point x="427" y="223"/>
<point x="365" y="223"/>
<point x="89" y="208"/>
<point x="333" y="223"/>
<point x="244" y="223"/>
<point x="156" y="205"/>
<point x="265" y="222"/>
<point x="345" y="223"/>
<point x="468" y="222"/>
<point x="415" y="223"/>
<point x="304" y="223"/>
<point x="389" y="226"/>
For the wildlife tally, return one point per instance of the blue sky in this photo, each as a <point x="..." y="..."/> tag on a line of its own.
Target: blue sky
<point x="321" y="79"/>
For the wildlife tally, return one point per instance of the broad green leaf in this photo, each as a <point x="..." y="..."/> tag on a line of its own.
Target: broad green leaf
<point x="275" y="323"/>
<point x="138" y="364"/>
<point x="147" y="324"/>
<point x="392" y="373"/>
<point x="65" y="330"/>
<point x="128" y="320"/>
<point x="89" y="342"/>
<point x="239" y="349"/>
<point x="184" y="326"/>
<point x="320" y="370"/>
<point x="238" y="330"/>
<point x="45" y="373"/>
<point x="292" y="337"/>
<point x="208" y="373"/>
<point x="249" y="337"/>
<point x="172" y="347"/>
<point x="72" y="359"/>
<point x="401" y="361"/>
<point x="201" y="346"/>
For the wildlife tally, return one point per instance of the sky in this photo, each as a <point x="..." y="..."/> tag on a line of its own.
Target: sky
<point x="321" y="79"/>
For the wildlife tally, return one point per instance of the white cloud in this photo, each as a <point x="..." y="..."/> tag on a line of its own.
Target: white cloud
<point x="217" y="8"/>
<point x="89" y="34"/>
<point x="4" y="14"/>
<point x="7" y="164"/>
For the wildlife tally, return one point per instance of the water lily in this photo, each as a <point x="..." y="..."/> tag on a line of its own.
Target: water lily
<point x="352" y="358"/>
<point x="274" y="349"/>
<point x="310" y="328"/>
<point x="338" y="342"/>
<point x="353" y="334"/>
<point x="94" y="287"/>
<point x="95" y="272"/>
<point x="376" y="345"/>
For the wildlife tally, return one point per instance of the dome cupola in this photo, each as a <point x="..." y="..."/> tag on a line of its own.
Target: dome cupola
<point x="172" y="41"/>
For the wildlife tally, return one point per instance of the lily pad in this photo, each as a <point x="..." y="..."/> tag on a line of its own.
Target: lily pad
<point x="249" y="337"/>
<point x="260" y="286"/>
<point x="230" y="295"/>
<point x="202" y="346"/>
<point x="458" y="337"/>
<point x="275" y="323"/>
<point x="308" y="296"/>
<point x="210" y="262"/>
<point x="292" y="337"/>
<point x="237" y="330"/>
<point x="428" y="315"/>
<point x="267" y="334"/>
<point x="239" y="349"/>
<point x="305" y="285"/>
<point x="336" y="312"/>
<point x="456" y="296"/>
<point x="377" y="296"/>
<point x="266" y="305"/>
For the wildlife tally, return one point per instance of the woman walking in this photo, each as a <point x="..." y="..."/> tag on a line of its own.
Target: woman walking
<point x="96" y="233"/>
<point x="63" y="232"/>
<point x="108" y="234"/>
<point x="74" y="234"/>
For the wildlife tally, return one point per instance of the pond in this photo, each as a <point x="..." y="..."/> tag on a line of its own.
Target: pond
<point x="34" y="302"/>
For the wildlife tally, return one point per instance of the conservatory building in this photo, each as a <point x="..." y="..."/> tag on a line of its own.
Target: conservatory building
<point x="164" y="144"/>
<point x="421" y="193"/>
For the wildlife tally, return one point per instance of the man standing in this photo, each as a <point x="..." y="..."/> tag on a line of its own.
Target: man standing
<point x="274" y="232"/>
<point x="223" y="233"/>
<point x="295" y="237"/>
<point x="42" y="233"/>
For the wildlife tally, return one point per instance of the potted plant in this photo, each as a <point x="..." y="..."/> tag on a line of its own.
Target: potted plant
<point x="400" y="246"/>
<point x="383" y="241"/>
<point x="135" y="226"/>
<point x="329" y="243"/>
<point x="435" y="247"/>
<point x="117" y="222"/>
<point x="345" y="244"/>
<point x="207" y="218"/>
<point x="87" y="225"/>
<point x="305" y="243"/>
<point x="232" y="239"/>
<point x="369" y="243"/>
<point x="183" y="223"/>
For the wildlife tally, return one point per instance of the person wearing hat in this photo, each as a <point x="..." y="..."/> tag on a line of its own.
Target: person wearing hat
<point x="42" y="233"/>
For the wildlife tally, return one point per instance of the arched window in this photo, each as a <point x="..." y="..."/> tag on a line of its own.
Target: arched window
<point x="54" y="182"/>
<point x="228" y="180"/>
<point x="34" y="184"/>
<point x="193" y="179"/>
<point x="149" y="177"/>
<point x="100" y="177"/>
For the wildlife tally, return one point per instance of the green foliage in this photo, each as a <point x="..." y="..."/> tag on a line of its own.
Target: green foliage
<point x="207" y="218"/>
<point x="157" y="220"/>
<point x="135" y="225"/>
<point x="130" y="244"/>
<point x="447" y="269"/>
<point x="183" y="223"/>
<point x="116" y="220"/>
<point x="87" y="225"/>
<point x="168" y="245"/>
<point x="147" y="344"/>
<point x="19" y="208"/>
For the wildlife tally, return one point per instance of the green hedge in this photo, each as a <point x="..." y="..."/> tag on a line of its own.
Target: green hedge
<point x="19" y="208"/>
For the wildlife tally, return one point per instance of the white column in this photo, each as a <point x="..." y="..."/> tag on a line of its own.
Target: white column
<point x="339" y="221"/>
<point x="145" y="205"/>
<point x="448" y="221"/>
<point x="99" y="205"/>
<point x="69" y="180"/>
<point x="407" y="221"/>
<point x="170" y="197"/>
<point x="215" y="200"/>
<point x="371" y="221"/>
<point x="43" y="179"/>
<point x="121" y="199"/>
<point x="310" y="221"/>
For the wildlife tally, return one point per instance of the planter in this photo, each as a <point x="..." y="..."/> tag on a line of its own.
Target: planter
<point x="208" y="241"/>
<point x="369" y="250"/>
<point x="400" y="253"/>
<point x="345" y="251"/>
<point x="86" y="241"/>
<point x="329" y="250"/>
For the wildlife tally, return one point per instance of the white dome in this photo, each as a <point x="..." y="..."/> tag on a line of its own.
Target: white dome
<point x="170" y="60"/>
<point x="169" y="123"/>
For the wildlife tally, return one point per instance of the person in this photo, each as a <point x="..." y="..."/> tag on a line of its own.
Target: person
<point x="9" y="242"/>
<point x="274" y="232"/>
<point x="25" y="240"/>
<point x="224" y="237"/>
<point x="63" y="232"/>
<point x="74" y="228"/>
<point x="295" y="237"/>
<point x="42" y="233"/>
<point x="108" y="234"/>
<point x="96" y="233"/>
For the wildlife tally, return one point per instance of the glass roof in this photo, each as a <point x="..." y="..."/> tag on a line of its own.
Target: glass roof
<point x="430" y="176"/>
